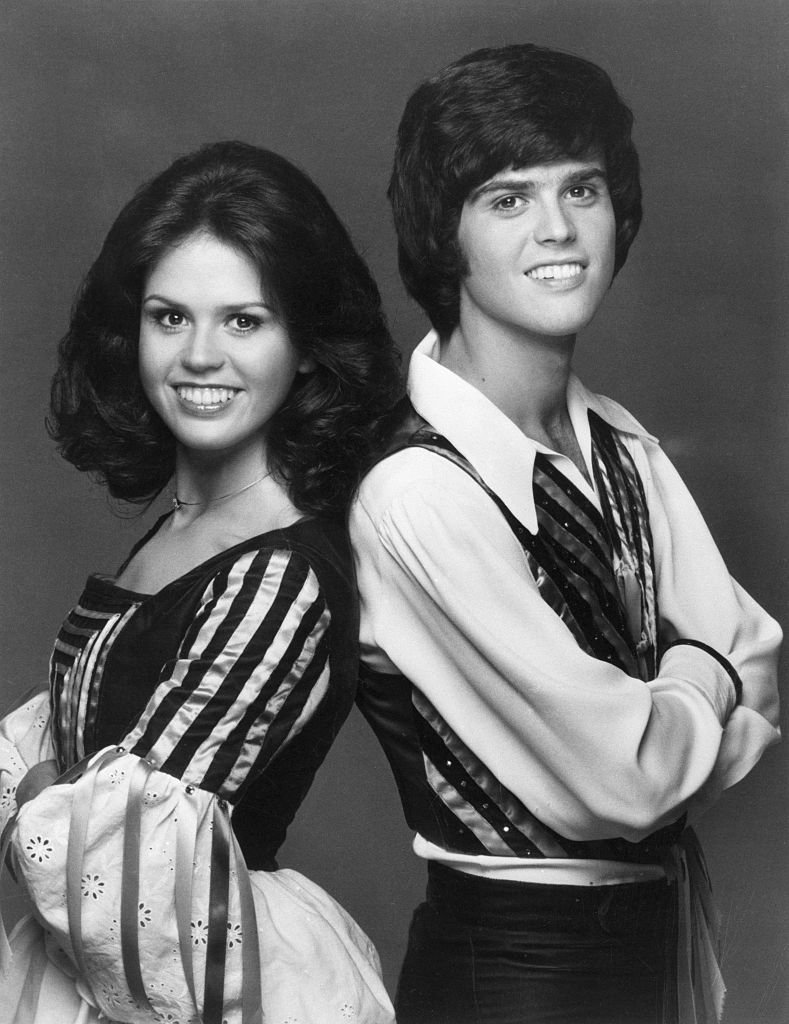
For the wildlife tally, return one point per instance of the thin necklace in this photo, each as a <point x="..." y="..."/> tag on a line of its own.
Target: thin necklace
<point x="178" y="503"/>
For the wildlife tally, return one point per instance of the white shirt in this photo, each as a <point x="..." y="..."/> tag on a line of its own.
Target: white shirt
<point x="448" y="600"/>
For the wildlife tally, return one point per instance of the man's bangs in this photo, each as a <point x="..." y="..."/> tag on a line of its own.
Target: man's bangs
<point x="529" y="146"/>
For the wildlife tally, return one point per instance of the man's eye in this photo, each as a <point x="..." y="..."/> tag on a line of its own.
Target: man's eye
<point x="581" y="192"/>
<point x="508" y="203"/>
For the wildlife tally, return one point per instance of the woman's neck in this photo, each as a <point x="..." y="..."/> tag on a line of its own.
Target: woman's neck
<point x="206" y="478"/>
<point x="218" y="508"/>
<point x="238" y="496"/>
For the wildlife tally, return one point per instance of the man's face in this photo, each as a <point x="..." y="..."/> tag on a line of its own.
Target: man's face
<point x="539" y="249"/>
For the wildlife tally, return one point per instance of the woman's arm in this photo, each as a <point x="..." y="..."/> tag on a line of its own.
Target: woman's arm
<point x="26" y="753"/>
<point x="132" y="864"/>
<point x="250" y="673"/>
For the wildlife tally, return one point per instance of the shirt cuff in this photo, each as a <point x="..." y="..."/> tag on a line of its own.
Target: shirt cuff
<point x="722" y="706"/>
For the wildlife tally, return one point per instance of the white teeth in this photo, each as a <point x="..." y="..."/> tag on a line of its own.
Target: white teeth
<point x="205" y="396"/>
<point x="556" y="271"/>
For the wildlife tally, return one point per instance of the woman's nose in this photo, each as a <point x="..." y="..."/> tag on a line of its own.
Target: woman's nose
<point x="202" y="350"/>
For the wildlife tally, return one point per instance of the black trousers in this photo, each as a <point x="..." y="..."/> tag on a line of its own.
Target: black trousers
<point x="484" y="951"/>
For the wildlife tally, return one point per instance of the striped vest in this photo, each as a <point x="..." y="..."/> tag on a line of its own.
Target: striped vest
<point x="596" y="572"/>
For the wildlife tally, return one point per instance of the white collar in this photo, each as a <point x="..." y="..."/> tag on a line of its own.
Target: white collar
<point x="490" y="441"/>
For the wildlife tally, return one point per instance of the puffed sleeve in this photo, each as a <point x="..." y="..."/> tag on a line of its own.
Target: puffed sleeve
<point x="251" y="670"/>
<point x="25" y="741"/>
<point x="132" y="863"/>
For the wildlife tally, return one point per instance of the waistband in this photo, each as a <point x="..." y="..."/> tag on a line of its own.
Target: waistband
<point x="540" y="871"/>
<point x="564" y="913"/>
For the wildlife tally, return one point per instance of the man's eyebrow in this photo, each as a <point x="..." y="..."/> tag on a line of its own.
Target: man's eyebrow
<point x="585" y="174"/>
<point x="513" y="182"/>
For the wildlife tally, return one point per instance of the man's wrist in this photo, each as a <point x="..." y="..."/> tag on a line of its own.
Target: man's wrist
<point x="721" y="660"/>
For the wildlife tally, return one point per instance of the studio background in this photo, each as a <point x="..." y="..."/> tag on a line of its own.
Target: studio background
<point x="97" y="96"/>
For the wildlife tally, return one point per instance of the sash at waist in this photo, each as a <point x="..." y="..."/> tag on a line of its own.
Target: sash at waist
<point x="546" y="870"/>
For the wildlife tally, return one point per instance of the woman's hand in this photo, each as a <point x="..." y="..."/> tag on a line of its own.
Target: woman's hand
<point x="39" y="777"/>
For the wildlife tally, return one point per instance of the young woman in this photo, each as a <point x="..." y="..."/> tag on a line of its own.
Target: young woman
<point x="228" y="342"/>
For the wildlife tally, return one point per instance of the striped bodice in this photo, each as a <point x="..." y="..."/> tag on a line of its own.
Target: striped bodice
<point x="595" y="569"/>
<point x="76" y="667"/>
<point x="234" y="678"/>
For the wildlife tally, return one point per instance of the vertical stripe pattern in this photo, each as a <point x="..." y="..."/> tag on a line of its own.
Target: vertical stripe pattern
<point x="249" y="672"/>
<point x="247" y="676"/>
<point x="75" y="672"/>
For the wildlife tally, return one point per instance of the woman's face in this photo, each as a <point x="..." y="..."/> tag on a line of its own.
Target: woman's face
<point x="215" y="361"/>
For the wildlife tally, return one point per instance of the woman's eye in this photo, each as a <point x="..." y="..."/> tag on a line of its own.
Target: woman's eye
<point x="244" y="322"/>
<point x="169" y="319"/>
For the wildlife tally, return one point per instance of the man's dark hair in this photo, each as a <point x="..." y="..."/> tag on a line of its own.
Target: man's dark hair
<point x="514" y="106"/>
<point x="269" y="211"/>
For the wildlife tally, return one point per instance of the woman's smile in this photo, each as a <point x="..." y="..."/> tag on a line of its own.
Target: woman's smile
<point x="205" y="399"/>
<point x="216" y="361"/>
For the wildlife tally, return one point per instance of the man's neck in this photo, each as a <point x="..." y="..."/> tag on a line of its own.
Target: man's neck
<point x="523" y="376"/>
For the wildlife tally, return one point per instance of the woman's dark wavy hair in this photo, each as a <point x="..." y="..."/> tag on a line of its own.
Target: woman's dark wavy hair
<point x="322" y="438"/>
<point x="513" y="106"/>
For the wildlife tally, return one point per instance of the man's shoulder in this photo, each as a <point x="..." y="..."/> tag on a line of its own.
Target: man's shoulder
<point x="403" y="425"/>
<point x="614" y="413"/>
<point x="407" y="470"/>
<point x="417" y="467"/>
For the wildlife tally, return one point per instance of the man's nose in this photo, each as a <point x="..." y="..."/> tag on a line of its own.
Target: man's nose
<point x="554" y="221"/>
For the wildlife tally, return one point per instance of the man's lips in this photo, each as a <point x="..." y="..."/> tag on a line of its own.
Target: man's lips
<point x="555" y="271"/>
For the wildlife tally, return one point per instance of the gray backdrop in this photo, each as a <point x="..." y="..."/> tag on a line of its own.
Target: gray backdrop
<point x="98" y="95"/>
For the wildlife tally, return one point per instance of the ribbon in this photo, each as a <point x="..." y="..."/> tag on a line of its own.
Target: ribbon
<point x="185" y="843"/>
<point x="252" y="999"/>
<point x="77" y="840"/>
<point x="6" y="955"/>
<point x="224" y="854"/>
<point x="130" y="884"/>
<point x="700" y="987"/>
<point x="216" y="942"/>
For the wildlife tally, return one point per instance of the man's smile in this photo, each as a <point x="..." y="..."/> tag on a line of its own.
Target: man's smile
<point x="554" y="271"/>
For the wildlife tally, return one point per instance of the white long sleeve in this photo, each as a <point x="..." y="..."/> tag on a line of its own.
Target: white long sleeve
<point x="448" y="600"/>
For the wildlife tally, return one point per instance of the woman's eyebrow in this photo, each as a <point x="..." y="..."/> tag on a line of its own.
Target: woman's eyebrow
<point x="227" y="307"/>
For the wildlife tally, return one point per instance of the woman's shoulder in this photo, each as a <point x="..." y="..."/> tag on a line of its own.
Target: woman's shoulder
<point x="315" y="552"/>
<point x="311" y="545"/>
<point x="319" y="547"/>
<point x="325" y="545"/>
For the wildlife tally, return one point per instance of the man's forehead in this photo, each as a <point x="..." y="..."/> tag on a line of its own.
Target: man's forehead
<point x="544" y="173"/>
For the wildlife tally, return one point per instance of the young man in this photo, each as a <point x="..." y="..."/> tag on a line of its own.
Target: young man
<point x="557" y="662"/>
